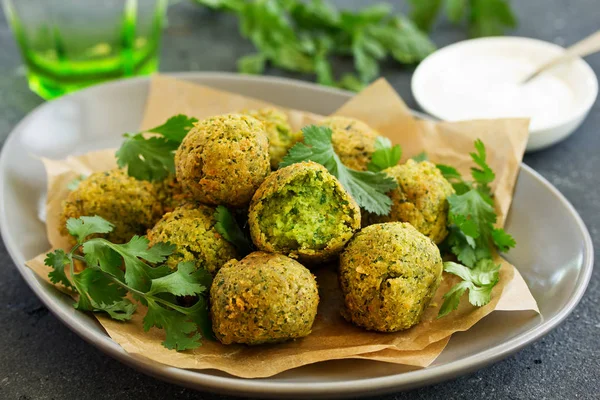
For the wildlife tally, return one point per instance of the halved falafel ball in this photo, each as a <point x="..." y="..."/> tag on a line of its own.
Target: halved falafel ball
<point x="388" y="275"/>
<point x="191" y="228"/>
<point x="264" y="298"/>
<point x="223" y="159"/>
<point x="131" y="205"/>
<point x="279" y="131"/>
<point x="303" y="211"/>
<point x="353" y="141"/>
<point x="420" y="199"/>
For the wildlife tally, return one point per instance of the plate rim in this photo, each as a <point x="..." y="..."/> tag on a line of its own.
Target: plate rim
<point x="233" y="385"/>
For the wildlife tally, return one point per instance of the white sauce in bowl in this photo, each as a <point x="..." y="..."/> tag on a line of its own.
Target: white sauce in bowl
<point x="487" y="86"/>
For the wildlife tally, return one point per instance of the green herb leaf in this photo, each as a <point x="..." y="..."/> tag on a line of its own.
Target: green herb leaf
<point x="503" y="240"/>
<point x="58" y="260"/>
<point x="83" y="227"/>
<point x="483" y="175"/>
<point x="185" y="281"/>
<point x="368" y="188"/>
<point x="490" y="17"/>
<point x="253" y="64"/>
<point x="456" y="10"/>
<point x="385" y="155"/>
<point x="181" y="332"/>
<point x="479" y="280"/>
<point x="102" y="286"/>
<point x="424" y="12"/>
<point x="74" y="184"/>
<point x="150" y="159"/>
<point x="175" y="128"/>
<point x="228" y="227"/>
<point x="422" y="156"/>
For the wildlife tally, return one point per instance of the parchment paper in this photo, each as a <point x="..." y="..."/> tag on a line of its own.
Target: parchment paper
<point x="332" y="337"/>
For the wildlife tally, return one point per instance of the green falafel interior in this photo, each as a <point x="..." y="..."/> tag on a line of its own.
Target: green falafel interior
<point x="146" y="293"/>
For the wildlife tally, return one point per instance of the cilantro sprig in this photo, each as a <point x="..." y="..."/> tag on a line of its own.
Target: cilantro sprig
<point x="152" y="158"/>
<point x="103" y="285"/>
<point x="483" y="17"/>
<point x="479" y="281"/>
<point x="304" y="37"/>
<point x="368" y="188"/>
<point x="472" y="237"/>
<point x="385" y="155"/>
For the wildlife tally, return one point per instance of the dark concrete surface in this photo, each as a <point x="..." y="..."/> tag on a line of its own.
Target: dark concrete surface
<point x="41" y="359"/>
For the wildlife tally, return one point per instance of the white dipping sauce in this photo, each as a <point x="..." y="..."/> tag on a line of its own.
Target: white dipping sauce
<point x="487" y="86"/>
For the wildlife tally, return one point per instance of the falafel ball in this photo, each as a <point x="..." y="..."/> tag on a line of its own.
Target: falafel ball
<point x="264" y="298"/>
<point x="223" y="159"/>
<point x="191" y="228"/>
<point x="171" y="194"/>
<point x="131" y="205"/>
<point x="303" y="211"/>
<point x="388" y="275"/>
<point x="421" y="198"/>
<point x="279" y="131"/>
<point x="353" y="141"/>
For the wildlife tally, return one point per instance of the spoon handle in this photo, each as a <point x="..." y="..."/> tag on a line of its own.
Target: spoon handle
<point x="585" y="47"/>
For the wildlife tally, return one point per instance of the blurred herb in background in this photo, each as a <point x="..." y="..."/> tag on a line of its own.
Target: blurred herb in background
<point x="483" y="17"/>
<point x="304" y="36"/>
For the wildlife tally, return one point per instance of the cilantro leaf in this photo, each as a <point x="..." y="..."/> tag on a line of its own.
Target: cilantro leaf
<point x="479" y="280"/>
<point x="120" y="310"/>
<point x="454" y="177"/>
<point x="58" y="260"/>
<point x="385" y="155"/>
<point x="181" y="333"/>
<point x="185" y="281"/>
<point x="103" y="286"/>
<point x="474" y="217"/>
<point x="100" y="288"/>
<point x="228" y="227"/>
<point x="456" y="10"/>
<point x="483" y="17"/>
<point x="152" y="158"/>
<point x="74" y="184"/>
<point x="148" y="159"/>
<point x="424" y="12"/>
<point x="175" y="128"/>
<point x="303" y="36"/>
<point x="503" y="240"/>
<point x="490" y="17"/>
<point x="422" y="156"/>
<point x="138" y="274"/>
<point x="367" y="188"/>
<point x="83" y="227"/>
<point x="483" y="175"/>
<point x="252" y="64"/>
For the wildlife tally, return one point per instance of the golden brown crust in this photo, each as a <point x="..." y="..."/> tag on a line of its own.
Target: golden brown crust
<point x="388" y="275"/>
<point x="191" y="228"/>
<point x="420" y="199"/>
<point x="223" y="159"/>
<point x="353" y="141"/>
<point x="264" y="298"/>
<point x="131" y="205"/>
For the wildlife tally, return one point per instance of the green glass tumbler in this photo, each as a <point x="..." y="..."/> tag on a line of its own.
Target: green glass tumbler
<point x="67" y="45"/>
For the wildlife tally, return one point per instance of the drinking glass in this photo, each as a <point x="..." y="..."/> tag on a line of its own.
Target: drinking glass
<point x="70" y="44"/>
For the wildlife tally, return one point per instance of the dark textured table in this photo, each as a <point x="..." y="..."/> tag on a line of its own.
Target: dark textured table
<point x="41" y="359"/>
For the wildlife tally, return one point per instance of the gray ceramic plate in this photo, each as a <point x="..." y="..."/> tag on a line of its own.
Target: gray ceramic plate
<point x="554" y="254"/>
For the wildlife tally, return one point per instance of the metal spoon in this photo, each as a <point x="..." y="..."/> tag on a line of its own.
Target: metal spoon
<point x="583" y="48"/>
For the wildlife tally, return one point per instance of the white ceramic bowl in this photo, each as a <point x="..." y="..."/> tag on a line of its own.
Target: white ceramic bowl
<point x="577" y="74"/>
